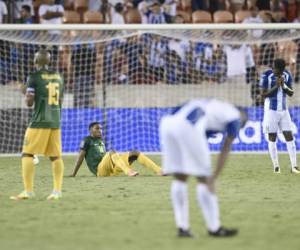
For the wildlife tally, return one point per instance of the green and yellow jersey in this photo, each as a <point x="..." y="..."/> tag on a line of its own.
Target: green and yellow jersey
<point x="94" y="152"/>
<point x="47" y="85"/>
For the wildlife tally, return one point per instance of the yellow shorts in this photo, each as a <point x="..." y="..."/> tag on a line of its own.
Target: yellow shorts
<point x="45" y="141"/>
<point x="107" y="168"/>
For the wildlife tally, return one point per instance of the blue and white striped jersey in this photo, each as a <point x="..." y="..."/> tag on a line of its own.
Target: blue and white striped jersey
<point x="278" y="100"/>
<point x="157" y="18"/>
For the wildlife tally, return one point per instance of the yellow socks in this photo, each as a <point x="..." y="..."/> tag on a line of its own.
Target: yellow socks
<point x="118" y="161"/>
<point x="28" y="173"/>
<point x="58" y="173"/>
<point x="147" y="162"/>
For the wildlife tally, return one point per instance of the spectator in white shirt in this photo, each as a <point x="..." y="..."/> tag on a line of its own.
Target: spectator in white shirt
<point x="117" y="14"/>
<point x="254" y="18"/>
<point x="3" y="12"/>
<point x="239" y="59"/>
<point x="170" y="7"/>
<point x="51" y="13"/>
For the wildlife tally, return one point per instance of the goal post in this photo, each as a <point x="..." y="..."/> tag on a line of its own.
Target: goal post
<point x="128" y="76"/>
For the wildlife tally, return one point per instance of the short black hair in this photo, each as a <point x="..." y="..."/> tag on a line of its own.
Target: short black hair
<point x="119" y="7"/>
<point x="27" y="8"/>
<point x="92" y="124"/>
<point x="279" y="64"/>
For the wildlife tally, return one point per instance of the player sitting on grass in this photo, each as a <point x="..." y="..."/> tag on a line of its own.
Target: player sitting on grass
<point x="102" y="163"/>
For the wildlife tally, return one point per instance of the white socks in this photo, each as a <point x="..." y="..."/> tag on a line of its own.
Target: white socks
<point x="273" y="153"/>
<point x="291" y="147"/>
<point x="208" y="202"/>
<point x="180" y="201"/>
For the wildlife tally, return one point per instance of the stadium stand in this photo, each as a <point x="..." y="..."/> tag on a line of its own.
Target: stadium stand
<point x="201" y="16"/>
<point x="223" y="16"/>
<point x="81" y="6"/>
<point x="241" y="15"/>
<point x="269" y="11"/>
<point x="71" y="16"/>
<point x="133" y="16"/>
<point x="92" y="17"/>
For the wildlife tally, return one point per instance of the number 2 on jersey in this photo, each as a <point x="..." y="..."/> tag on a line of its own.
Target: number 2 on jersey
<point x="53" y="93"/>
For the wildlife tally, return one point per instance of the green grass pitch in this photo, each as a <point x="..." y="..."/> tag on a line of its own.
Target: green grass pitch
<point x="120" y="213"/>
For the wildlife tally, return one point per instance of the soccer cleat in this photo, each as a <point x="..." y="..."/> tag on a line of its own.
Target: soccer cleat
<point x="277" y="170"/>
<point x="132" y="173"/>
<point x="55" y="195"/>
<point x="295" y="170"/>
<point x="184" y="233"/>
<point x="223" y="232"/>
<point x="22" y="196"/>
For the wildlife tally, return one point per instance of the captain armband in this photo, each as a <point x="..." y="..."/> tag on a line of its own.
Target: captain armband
<point x="30" y="90"/>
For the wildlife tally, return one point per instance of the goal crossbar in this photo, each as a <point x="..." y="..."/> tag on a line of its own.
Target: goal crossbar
<point x="221" y="26"/>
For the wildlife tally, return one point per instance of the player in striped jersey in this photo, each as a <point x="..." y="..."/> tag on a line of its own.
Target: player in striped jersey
<point x="276" y="85"/>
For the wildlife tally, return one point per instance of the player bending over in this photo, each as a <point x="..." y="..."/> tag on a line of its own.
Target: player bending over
<point x="102" y="163"/>
<point x="44" y="90"/>
<point x="276" y="85"/>
<point x="185" y="153"/>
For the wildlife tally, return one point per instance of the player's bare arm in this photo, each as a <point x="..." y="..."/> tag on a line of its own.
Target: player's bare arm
<point x="223" y="155"/>
<point x="78" y="163"/>
<point x="210" y="181"/>
<point x="288" y="90"/>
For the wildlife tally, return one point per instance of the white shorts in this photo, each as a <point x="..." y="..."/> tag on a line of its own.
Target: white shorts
<point x="184" y="147"/>
<point x="277" y="121"/>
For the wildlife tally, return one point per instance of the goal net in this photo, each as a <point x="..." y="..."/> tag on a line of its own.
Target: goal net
<point x="127" y="78"/>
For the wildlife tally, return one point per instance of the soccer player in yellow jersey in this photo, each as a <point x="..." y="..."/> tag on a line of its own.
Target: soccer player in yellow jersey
<point x="44" y="91"/>
<point x="102" y="163"/>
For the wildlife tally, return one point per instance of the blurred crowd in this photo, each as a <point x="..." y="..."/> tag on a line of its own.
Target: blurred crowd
<point x="146" y="11"/>
<point x="149" y="58"/>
